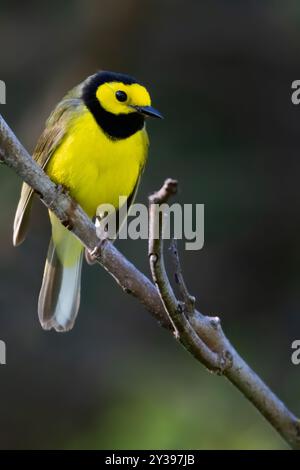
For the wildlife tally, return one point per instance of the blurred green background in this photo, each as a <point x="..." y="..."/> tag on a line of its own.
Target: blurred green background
<point x="220" y="72"/>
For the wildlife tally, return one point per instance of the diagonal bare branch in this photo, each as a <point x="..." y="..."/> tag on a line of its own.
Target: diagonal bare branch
<point x="206" y="332"/>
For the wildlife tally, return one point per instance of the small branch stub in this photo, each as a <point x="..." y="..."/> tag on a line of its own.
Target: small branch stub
<point x="168" y="189"/>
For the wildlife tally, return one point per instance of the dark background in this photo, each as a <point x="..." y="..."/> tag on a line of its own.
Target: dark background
<point x="221" y="73"/>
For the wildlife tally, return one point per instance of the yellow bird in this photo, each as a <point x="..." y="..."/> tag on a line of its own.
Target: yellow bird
<point x="95" y="145"/>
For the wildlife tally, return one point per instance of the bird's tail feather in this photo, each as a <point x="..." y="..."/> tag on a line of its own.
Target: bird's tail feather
<point x="60" y="292"/>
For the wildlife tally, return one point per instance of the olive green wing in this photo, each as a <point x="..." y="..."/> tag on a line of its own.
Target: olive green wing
<point x="53" y="135"/>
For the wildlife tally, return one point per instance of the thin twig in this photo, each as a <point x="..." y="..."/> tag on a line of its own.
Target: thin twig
<point x="188" y="299"/>
<point x="134" y="282"/>
<point x="183" y="330"/>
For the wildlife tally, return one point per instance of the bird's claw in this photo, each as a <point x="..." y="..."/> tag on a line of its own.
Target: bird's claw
<point x="91" y="256"/>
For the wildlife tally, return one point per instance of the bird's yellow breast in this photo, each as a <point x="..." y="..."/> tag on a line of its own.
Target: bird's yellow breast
<point x="93" y="167"/>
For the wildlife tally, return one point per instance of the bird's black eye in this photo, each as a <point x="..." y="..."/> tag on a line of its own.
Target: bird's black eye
<point x="121" y="95"/>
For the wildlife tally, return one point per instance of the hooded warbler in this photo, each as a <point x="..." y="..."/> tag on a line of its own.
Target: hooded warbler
<point x="95" y="145"/>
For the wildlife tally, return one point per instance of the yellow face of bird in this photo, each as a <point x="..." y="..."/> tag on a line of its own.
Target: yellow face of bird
<point x="118" y="103"/>
<point x="120" y="98"/>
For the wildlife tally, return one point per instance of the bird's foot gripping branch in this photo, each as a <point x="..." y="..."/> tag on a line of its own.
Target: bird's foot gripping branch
<point x="201" y="335"/>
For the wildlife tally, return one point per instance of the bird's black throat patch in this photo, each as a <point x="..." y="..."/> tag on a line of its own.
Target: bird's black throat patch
<point x="116" y="126"/>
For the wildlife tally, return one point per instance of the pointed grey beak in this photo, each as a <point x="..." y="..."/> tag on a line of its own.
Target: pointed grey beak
<point x="148" y="111"/>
